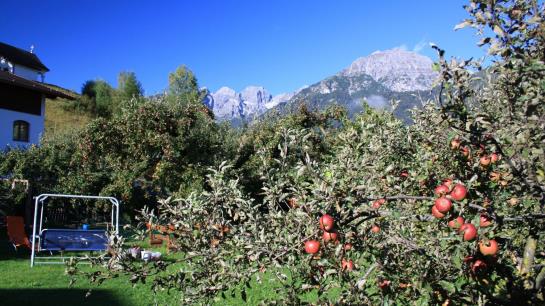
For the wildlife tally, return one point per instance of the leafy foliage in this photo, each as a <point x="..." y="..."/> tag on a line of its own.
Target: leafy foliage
<point x="128" y="86"/>
<point x="100" y="99"/>
<point x="12" y="197"/>
<point x="182" y="82"/>
<point x="151" y="149"/>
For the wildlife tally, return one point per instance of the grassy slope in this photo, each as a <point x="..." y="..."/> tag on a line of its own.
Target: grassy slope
<point x="59" y="121"/>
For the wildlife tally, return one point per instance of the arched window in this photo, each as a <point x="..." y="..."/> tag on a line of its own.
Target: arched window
<point x="20" y="130"/>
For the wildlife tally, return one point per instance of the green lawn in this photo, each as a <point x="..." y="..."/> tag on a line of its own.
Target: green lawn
<point x="46" y="285"/>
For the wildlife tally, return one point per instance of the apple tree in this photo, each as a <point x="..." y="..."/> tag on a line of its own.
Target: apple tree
<point x="448" y="210"/>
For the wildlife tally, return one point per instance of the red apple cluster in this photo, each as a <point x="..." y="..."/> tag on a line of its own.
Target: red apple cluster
<point x="480" y="263"/>
<point x="330" y="235"/>
<point x="443" y="205"/>
<point x="485" y="159"/>
<point x="376" y="205"/>
<point x="445" y="194"/>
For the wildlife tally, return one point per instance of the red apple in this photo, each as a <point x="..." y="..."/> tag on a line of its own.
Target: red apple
<point x="456" y="223"/>
<point x="478" y="265"/>
<point x="384" y="284"/>
<point x="375" y="229"/>
<point x="494" y="157"/>
<point x="436" y="213"/>
<point x="326" y="222"/>
<point x="404" y="285"/>
<point x="441" y="190"/>
<point x="348" y="246"/>
<point x="447" y="182"/>
<point x="330" y="236"/>
<point x="484" y="221"/>
<point x="459" y="192"/>
<point x="292" y="202"/>
<point x="312" y="247"/>
<point x="443" y="204"/>
<point x="485" y="160"/>
<point x="490" y="248"/>
<point x="465" y="151"/>
<point x="347" y="265"/>
<point x="376" y="204"/>
<point x="469" y="231"/>
<point x="495" y="176"/>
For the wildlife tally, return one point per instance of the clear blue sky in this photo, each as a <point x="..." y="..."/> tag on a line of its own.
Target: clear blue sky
<point x="279" y="44"/>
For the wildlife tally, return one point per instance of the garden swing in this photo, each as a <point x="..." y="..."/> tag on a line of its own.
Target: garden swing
<point x="72" y="240"/>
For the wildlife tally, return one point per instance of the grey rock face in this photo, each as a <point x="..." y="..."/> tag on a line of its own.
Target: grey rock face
<point x="397" y="69"/>
<point x="251" y="102"/>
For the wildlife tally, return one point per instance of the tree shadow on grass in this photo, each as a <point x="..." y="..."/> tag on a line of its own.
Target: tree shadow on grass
<point x="58" y="297"/>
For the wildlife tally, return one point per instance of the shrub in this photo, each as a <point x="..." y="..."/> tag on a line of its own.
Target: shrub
<point x="150" y="149"/>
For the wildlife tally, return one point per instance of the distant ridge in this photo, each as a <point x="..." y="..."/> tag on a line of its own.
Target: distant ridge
<point x="377" y="78"/>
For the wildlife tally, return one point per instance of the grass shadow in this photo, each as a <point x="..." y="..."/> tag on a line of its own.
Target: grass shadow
<point x="59" y="297"/>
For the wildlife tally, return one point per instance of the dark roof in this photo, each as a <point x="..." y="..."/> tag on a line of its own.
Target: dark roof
<point x="21" y="57"/>
<point x="69" y="92"/>
<point x="12" y="79"/>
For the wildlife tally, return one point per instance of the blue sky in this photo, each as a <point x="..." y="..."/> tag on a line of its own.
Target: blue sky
<point x="281" y="44"/>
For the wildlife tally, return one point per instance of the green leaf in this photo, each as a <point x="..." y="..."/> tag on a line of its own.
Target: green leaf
<point x="448" y="286"/>
<point x="457" y="260"/>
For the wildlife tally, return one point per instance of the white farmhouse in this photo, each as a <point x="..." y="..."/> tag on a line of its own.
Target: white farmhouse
<point x="22" y="97"/>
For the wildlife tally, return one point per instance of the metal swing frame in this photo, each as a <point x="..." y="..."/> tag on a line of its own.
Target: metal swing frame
<point x="37" y="227"/>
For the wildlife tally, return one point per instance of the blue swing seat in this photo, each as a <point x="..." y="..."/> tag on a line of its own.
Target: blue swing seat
<point x="73" y="240"/>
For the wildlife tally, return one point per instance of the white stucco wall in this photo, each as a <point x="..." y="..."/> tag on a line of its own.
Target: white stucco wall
<point x="36" y="127"/>
<point x="26" y="73"/>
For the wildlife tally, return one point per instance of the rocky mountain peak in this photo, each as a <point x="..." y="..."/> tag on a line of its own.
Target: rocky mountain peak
<point x="226" y="91"/>
<point x="254" y="99"/>
<point x="397" y="69"/>
<point x="250" y="102"/>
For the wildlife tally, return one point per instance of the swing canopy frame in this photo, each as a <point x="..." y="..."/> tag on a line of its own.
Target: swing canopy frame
<point x="45" y="239"/>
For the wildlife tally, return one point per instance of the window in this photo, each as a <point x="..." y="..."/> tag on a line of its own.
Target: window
<point x="20" y="130"/>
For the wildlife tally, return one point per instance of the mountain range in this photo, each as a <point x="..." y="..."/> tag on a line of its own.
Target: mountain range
<point x="377" y="78"/>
